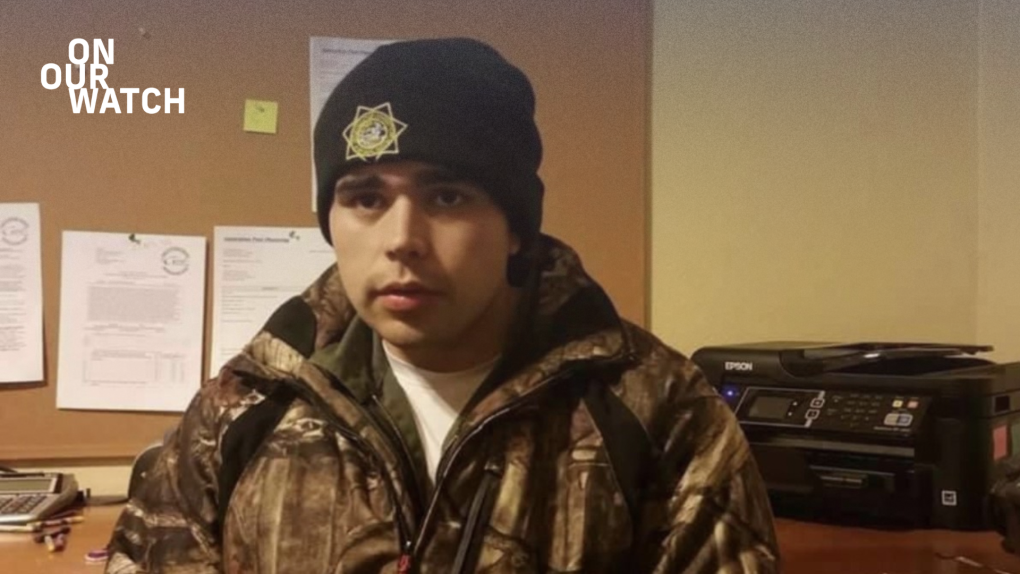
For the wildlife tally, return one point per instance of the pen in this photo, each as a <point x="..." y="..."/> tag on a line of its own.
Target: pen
<point x="19" y="528"/>
<point x="56" y="522"/>
<point x="970" y="562"/>
<point x="40" y="537"/>
<point x="38" y="525"/>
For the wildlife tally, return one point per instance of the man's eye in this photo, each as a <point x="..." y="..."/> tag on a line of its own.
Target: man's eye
<point x="365" y="200"/>
<point x="449" y="197"/>
<point x="369" y="200"/>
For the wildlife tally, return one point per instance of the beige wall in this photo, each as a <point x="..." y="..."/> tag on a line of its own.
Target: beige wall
<point x="815" y="172"/>
<point x="998" y="302"/>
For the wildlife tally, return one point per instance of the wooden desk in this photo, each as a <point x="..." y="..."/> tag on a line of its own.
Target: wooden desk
<point x="806" y="548"/>
<point x="809" y="548"/>
<point x="19" y="555"/>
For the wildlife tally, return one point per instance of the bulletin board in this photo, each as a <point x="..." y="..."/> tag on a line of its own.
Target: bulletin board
<point x="183" y="174"/>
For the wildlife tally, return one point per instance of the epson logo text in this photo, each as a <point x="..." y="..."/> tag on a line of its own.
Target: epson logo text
<point x="738" y="366"/>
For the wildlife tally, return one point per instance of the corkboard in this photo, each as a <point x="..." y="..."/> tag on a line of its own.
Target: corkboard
<point x="183" y="174"/>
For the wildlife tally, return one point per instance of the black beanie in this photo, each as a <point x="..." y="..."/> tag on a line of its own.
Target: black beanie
<point x="452" y="102"/>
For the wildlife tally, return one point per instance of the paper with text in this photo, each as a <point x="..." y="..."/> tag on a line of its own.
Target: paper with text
<point x="21" y="326"/>
<point x="330" y="60"/>
<point x="255" y="270"/>
<point x="131" y="309"/>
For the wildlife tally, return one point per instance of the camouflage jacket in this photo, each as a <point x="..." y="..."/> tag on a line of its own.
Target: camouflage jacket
<point x="592" y="447"/>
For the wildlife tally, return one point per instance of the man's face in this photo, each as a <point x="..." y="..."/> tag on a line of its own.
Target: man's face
<point x="422" y="255"/>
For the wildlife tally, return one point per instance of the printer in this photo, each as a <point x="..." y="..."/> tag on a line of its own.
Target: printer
<point x="888" y="434"/>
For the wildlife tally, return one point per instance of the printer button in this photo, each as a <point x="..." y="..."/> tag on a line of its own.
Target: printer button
<point x="897" y="404"/>
<point x="817" y="403"/>
<point x="811" y="414"/>
<point x="905" y="420"/>
<point x="892" y="419"/>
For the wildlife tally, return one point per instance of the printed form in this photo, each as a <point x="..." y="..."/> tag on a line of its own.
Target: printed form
<point x="255" y="270"/>
<point x="131" y="309"/>
<point x="21" y="327"/>
<point x="330" y="59"/>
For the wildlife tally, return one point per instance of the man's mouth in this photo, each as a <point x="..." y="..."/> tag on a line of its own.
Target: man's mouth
<point x="405" y="296"/>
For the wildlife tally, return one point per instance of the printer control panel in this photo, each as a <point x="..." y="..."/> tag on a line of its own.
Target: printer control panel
<point x="848" y="411"/>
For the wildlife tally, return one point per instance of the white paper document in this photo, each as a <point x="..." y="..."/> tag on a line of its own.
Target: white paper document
<point x="330" y="60"/>
<point x="21" y="327"/>
<point x="131" y="309"/>
<point x="255" y="270"/>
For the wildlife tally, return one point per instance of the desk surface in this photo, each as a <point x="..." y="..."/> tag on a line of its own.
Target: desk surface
<point x="806" y="549"/>
<point x="18" y="554"/>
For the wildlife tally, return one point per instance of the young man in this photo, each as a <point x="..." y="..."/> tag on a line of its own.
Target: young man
<point x="456" y="394"/>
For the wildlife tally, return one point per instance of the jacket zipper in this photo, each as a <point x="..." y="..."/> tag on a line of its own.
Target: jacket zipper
<point x="405" y="563"/>
<point x="403" y="528"/>
<point x="409" y="548"/>
<point x="449" y="455"/>
<point x="389" y="430"/>
<point x="481" y="502"/>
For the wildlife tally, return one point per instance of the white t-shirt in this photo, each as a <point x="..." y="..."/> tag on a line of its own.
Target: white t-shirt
<point x="436" y="399"/>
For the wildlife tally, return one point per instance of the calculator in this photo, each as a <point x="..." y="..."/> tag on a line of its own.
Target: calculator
<point x="25" y="497"/>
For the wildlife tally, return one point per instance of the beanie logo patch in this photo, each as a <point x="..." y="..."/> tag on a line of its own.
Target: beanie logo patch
<point x="373" y="133"/>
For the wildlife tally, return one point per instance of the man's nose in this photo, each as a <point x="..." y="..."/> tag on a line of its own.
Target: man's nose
<point x="406" y="230"/>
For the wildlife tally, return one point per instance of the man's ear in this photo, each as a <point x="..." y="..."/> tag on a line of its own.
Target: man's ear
<point x="515" y="244"/>
<point x="519" y="262"/>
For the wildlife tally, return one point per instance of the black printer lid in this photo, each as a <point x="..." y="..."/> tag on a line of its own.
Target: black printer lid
<point x="945" y="369"/>
<point x="806" y="359"/>
<point x="878" y="358"/>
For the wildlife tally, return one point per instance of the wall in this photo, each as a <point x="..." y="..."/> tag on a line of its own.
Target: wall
<point x="814" y="171"/>
<point x="998" y="301"/>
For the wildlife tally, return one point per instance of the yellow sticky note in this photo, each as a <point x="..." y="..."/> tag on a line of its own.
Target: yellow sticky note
<point x="260" y="116"/>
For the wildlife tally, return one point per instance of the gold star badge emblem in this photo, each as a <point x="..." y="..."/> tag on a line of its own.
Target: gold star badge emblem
<point x="373" y="133"/>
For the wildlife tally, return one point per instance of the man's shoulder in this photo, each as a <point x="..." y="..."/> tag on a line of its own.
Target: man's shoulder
<point x="664" y="388"/>
<point x="233" y="391"/>
<point x="662" y="370"/>
<point x="681" y="411"/>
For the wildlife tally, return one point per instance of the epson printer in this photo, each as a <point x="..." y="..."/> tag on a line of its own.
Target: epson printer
<point x="886" y="433"/>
